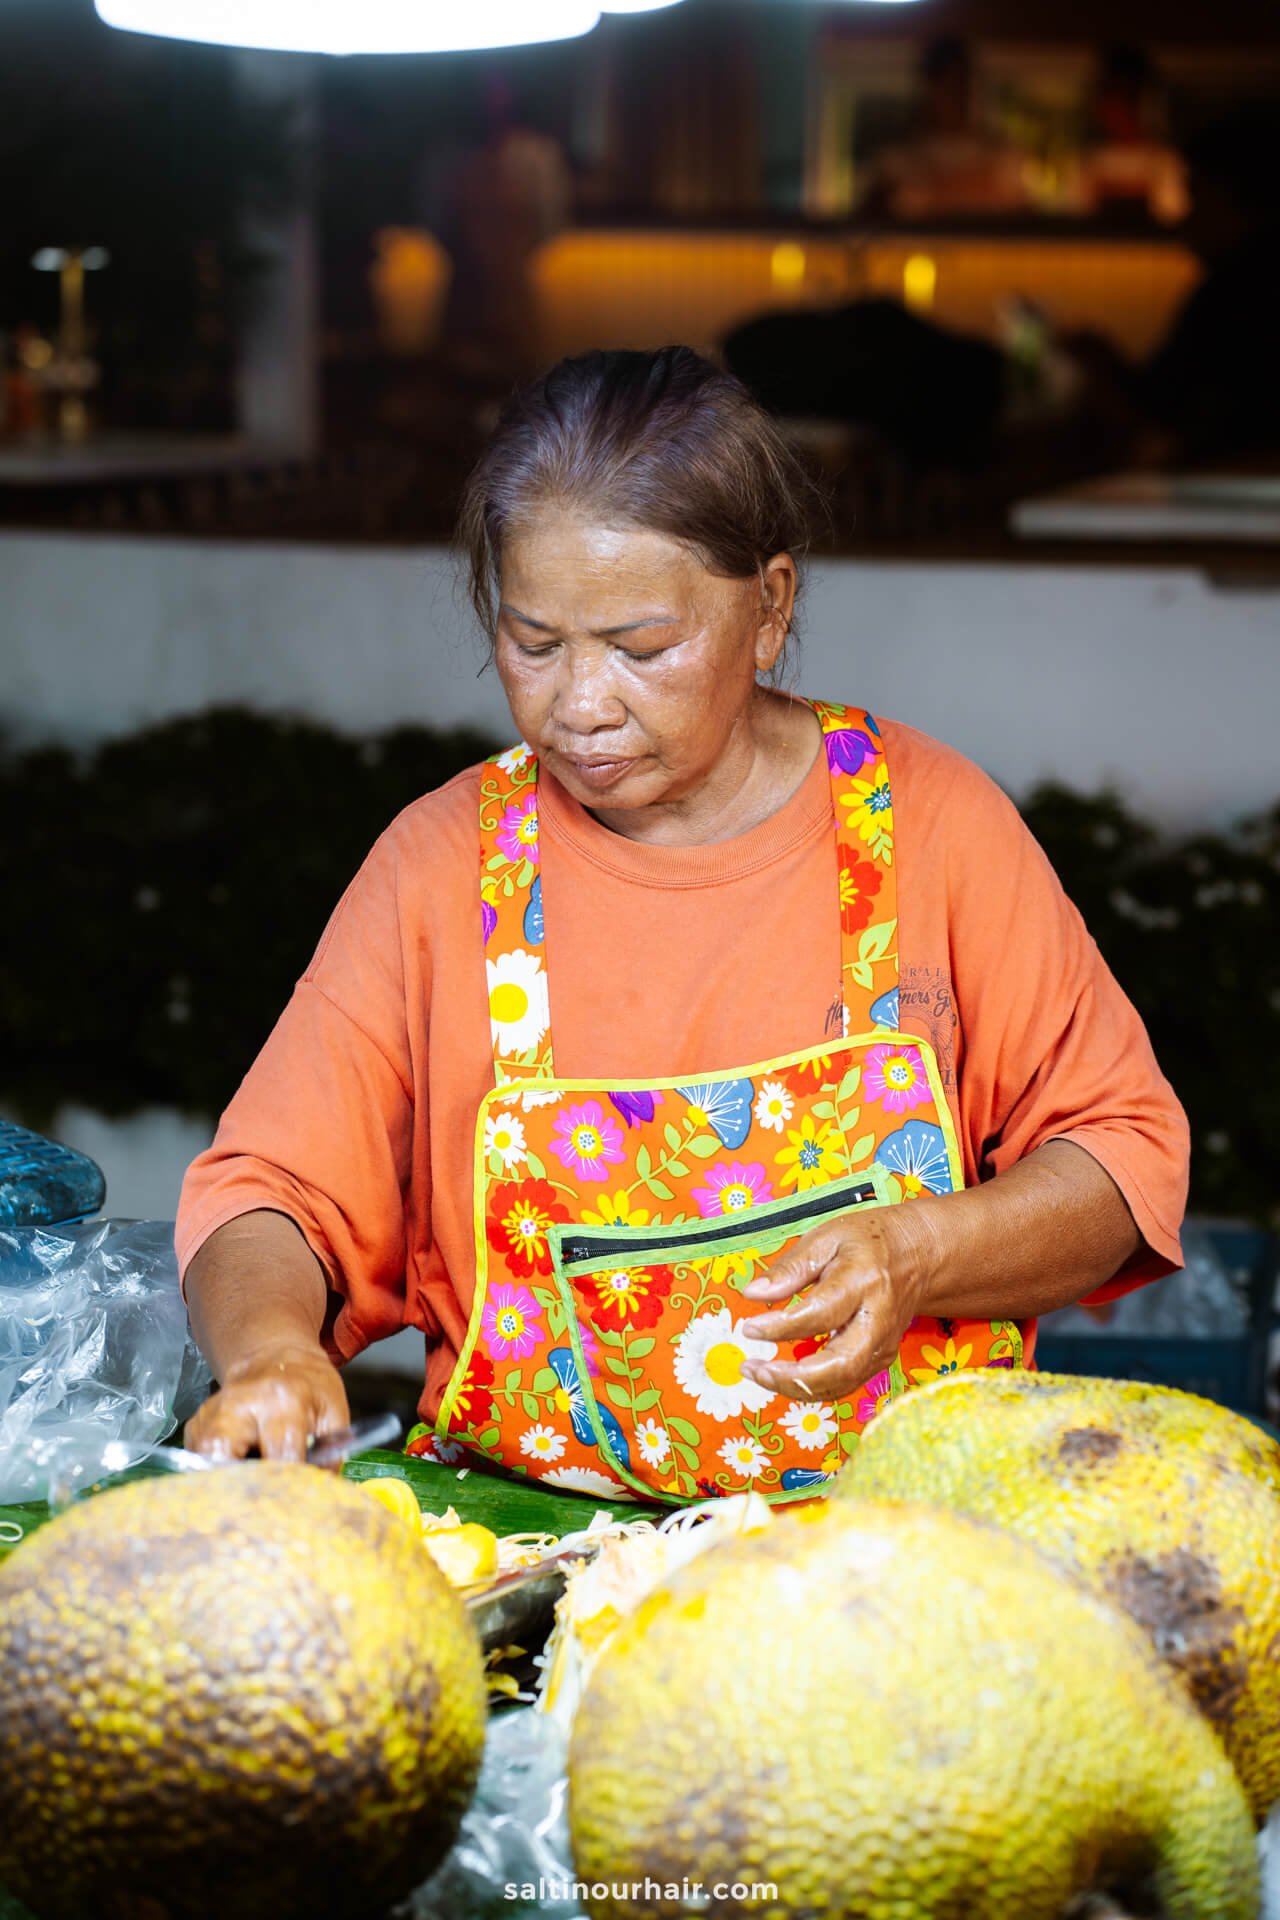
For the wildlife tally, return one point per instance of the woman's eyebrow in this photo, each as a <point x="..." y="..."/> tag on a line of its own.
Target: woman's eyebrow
<point x="598" y="633"/>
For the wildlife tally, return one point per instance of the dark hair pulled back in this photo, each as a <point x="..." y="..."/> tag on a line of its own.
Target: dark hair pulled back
<point x="663" y="441"/>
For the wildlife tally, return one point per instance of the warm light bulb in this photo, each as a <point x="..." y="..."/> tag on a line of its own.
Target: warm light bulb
<point x="355" y="26"/>
<point x="787" y="264"/>
<point x="919" y="282"/>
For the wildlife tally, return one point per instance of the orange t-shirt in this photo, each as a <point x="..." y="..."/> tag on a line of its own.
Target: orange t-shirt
<point x="357" y="1119"/>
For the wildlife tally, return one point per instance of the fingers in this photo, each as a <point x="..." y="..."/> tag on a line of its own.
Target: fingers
<point x="225" y="1428"/>
<point x="797" y="1268"/>
<point x="276" y="1413"/>
<point x="828" y="1306"/>
<point x="285" y="1433"/>
<point x="850" y="1358"/>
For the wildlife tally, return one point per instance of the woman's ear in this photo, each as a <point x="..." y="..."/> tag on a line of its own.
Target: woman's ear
<point x="778" y="582"/>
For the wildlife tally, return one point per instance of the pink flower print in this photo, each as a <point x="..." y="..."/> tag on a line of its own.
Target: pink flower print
<point x="488" y="918"/>
<point x="518" y="834"/>
<point x="874" y="1395"/>
<point x="895" y="1076"/>
<point x="510" y="1323"/>
<point x="732" y="1186"/>
<point x="590" y="1346"/>
<point x="586" y="1140"/>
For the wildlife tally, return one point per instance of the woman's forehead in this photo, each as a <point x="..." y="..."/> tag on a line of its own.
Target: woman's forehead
<point x="551" y="535"/>
<point x="567" y="558"/>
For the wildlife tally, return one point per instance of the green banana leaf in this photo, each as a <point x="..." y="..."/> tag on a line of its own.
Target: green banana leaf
<point x="501" y="1503"/>
<point x="504" y="1505"/>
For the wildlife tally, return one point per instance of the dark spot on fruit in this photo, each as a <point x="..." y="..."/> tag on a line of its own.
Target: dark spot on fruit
<point x="1178" y="1600"/>
<point x="1083" y="1447"/>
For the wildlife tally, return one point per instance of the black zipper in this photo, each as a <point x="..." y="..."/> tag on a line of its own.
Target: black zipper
<point x="574" y="1249"/>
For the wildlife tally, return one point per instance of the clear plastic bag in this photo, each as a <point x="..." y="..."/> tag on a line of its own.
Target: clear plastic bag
<point x="512" y="1856"/>
<point x="95" y="1352"/>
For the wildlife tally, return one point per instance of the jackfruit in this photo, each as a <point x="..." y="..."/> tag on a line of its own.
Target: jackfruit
<point x="397" y="1496"/>
<point x="244" y="1692"/>
<point x="1166" y="1504"/>
<point x="888" y="1712"/>
<point x="467" y="1555"/>
<point x="629" y="1559"/>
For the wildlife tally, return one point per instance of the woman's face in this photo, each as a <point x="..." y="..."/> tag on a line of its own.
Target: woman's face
<point x="631" y="669"/>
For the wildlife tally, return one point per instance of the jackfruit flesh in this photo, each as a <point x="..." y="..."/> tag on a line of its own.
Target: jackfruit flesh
<point x="889" y="1712"/>
<point x="247" y="1692"/>
<point x="1168" y="1505"/>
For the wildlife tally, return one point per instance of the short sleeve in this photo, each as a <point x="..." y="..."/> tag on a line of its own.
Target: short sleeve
<point x="321" y="1127"/>
<point x="1050" y="1047"/>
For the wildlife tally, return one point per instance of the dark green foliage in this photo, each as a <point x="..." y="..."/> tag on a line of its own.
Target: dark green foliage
<point x="163" y="895"/>
<point x="1191" y="929"/>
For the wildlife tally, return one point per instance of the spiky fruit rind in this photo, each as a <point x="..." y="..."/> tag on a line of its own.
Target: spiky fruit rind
<point x="891" y="1712"/>
<point x="247" y="1691"/>
<point x="1167" y="1504"/>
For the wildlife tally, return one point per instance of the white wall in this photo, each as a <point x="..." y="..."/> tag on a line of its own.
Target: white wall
<point x="1150" y="679"/>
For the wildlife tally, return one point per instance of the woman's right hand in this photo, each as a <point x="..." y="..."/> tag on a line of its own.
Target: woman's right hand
<point x="274" y="1402"/>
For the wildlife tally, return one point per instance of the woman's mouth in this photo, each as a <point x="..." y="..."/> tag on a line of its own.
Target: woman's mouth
<point x="596" y="771"/>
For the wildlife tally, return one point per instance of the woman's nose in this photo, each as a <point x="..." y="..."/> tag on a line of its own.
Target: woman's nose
<point x="586" y="697"/>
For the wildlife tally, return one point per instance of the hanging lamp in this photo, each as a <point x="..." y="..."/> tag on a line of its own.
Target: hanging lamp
<point x="355" y="26"/>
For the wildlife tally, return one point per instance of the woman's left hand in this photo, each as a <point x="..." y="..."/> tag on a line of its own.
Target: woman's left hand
<point x="867" y="1276"/>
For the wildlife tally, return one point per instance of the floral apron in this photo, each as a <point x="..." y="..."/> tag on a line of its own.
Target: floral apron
<point x="617" y="1224"/>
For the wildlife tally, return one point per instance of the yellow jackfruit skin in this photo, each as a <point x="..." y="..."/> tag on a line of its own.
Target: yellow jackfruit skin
<point x="247" y="1693"/>
<point x="1165" y="1503"/>
<point x="891" y="1712"/>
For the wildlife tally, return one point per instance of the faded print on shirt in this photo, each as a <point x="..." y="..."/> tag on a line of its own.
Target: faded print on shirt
<point x="926" y="1005"/>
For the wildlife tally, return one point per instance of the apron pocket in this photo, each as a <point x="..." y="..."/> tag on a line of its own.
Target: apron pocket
<point x="658" y="1331"/>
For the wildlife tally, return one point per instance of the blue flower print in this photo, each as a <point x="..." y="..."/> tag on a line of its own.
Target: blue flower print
<point x="917" y="1153"/>
<point x="562" y="1364"/>
<point x="884" y="1011"/>
<point x="534" y="930"/>
<point x="727" y="1107"/>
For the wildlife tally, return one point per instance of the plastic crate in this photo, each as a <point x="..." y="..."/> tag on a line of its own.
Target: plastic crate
<point x="1231" y="1369"/>
<point x="43" y="1184"/>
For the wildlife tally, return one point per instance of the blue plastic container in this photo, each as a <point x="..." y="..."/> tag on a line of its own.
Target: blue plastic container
<point x="43" y="1184"/>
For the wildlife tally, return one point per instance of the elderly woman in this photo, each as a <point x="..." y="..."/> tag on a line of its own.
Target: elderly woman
<point x="702" y="1072"/>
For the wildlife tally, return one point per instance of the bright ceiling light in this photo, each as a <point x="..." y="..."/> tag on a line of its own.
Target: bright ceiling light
<point x="355" y="26"/>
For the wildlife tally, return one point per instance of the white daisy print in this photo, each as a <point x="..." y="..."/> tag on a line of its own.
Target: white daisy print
<point x="743" y="1455"/>
<point x="586" y="1480"/>
<point x="774" y="1105"/>
<point x="504" y="1135"/>
<point x="516" y="758"/>
<point x="654" y="1442"/>
<point x="541" y="1443"/>
<point x="708" y="1364"/>
<point x="519" y="1008"/>
<point x="810" y="1427"/>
